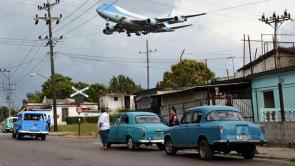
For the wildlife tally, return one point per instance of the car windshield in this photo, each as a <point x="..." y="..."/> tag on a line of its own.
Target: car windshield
<point x="147" y="119"/>
<point x="12" y="120"/>
<point x="35" y="117"/>
<point x="224" y="115"/>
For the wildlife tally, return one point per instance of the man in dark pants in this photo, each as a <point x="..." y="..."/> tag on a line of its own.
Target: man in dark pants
<point x="48" y="122"/>
<point x="104" y="127"/>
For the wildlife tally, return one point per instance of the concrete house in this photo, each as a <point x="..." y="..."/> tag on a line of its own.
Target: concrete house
<point x="116" y="101"/>
<point x="272" y="82"/>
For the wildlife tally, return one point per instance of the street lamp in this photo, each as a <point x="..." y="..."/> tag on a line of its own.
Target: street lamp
<point x="53" y="99"/>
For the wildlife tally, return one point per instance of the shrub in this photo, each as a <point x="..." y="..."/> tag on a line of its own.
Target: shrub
<point x="74" y="120"/>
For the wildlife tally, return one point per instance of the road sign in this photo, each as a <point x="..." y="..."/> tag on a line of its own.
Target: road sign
<point x="81" y="92"/>
<point x="79" y="110"/>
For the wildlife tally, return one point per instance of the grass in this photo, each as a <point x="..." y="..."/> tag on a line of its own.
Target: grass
<point x="292" y="159"/>
<point x="87" y="129"/>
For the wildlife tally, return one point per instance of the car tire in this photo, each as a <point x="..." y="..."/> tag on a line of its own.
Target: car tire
<point x="205" y="151"/>
<point x="109" y="145"/>
<point x="131" y="144"/>
<point x="169" y="147"/>
<point x="161" y="146"/>
<point x="249" y="153"/>
<point x="43" y="137"/>
<point x="13" y="134"/>
<point x="19" y="136"/>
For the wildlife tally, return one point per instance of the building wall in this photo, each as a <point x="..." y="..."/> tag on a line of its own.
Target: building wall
<point x="280" y="133"/>
<point x="182" y="101"/>
<point x="270" y="83"/>
<point x="110" y="103"/>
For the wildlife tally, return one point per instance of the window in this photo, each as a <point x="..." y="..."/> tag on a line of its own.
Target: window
<point x="147" y="119"/>
<point x="269" y="101"/>
<point x="224" y="115"/>
<point x="34" y="117"/>
<point x="124" y="119"/>
<point x="65" y="114"/>
<point x="197" y="117"/>
<point x="186" y="118"/>
<point x="115" y="98"/>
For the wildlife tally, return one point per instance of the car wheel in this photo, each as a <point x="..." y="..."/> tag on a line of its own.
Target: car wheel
<point x="131" y="144"/>
<point x="169" y="148"/>
<point x="161" y="146"/>
<point x="205" y="151"/>
<point x="13" y="134"/>
<point x="109" y="145"/>
<point x="43" y="137"/>
<point x="249" y="153"/>
<point x="19" y="136"/>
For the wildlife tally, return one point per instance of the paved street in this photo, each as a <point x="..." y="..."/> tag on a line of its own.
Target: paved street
<point x="60" y="151"/>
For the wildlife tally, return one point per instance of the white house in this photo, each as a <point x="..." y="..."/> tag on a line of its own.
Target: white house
<point x="64" y="108"/>
<point x="116" y="101"/>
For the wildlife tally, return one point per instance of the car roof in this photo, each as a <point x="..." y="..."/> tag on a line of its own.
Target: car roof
<point x="12" y="117"/>
<point x="139" y="113"/>
<point x="210" y="108"/>
<point x="32" y="112"/>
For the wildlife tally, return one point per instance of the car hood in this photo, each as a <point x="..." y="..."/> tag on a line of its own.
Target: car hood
<point x="153" y="127"/>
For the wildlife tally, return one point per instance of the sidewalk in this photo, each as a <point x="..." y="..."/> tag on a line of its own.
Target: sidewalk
<point x="275" y="153"/>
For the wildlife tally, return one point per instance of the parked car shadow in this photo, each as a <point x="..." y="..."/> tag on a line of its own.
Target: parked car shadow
<point x="29" y="139"/>
<point x="141" y="148"/>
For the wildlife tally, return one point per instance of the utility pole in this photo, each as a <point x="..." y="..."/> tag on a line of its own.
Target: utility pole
<point x="51" y="42"/>
<point x="275" y="21"/>
<point x="147" y="52"/>
<point x="8" y="88"/>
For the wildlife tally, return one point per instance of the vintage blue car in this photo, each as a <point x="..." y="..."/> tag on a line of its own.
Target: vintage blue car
<point x="8" y="124"/>
<point x="30" y="123"/>
<point x="135" y="128"/>
<point x="212" y="129"/>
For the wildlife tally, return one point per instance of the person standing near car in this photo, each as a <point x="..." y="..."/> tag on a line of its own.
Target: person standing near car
<point x="103" y="125"/>
<point x="48" y="121"/>
<point x="173" y="120"/>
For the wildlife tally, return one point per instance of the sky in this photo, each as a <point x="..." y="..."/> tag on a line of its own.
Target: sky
<point x="87" y="55"/>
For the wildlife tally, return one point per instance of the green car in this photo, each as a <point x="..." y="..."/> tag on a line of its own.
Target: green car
<point x="136" y="128"/>
<point x="8" y="124"/>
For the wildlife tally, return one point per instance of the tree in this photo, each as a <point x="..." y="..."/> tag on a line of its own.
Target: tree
<point x="186" y="73"/>
<point x="35" y="97"/>
<point x="63" y="87"/>
<point x="123" y="84"/>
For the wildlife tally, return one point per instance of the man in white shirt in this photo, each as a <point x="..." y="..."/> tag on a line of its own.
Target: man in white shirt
<point x="103" y="125"/>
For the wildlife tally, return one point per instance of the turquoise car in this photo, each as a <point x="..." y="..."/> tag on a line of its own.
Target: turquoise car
<point x="212" y="129"/>
<point x="135" y="128"/>
<point x="30" y="123"/>
<point x="8" y="124"/>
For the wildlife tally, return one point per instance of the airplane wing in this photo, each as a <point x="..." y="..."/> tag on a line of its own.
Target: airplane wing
<point x="170" y="29"/>
<point x="170" y="20"/>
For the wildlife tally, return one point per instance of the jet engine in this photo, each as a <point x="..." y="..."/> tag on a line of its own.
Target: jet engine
<point x="151" y="21"/>
<point x="108" y="30"/>
<point x="179" y="19"/>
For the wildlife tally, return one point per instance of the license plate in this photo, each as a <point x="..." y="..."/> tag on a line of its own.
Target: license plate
<point x="242" y="137"/>
<point x="33" y="128"/>
<point x="158" y="138"/>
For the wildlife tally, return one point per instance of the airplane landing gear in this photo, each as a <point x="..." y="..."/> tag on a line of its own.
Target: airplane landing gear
<point x="128" y="34"/>
<point x="137" y="33"/>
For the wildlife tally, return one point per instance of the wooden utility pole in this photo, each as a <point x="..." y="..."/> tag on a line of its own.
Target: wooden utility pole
<point x="8" y="88"/>
<point x="51" y="42"/>
<point x="147" y="52"/>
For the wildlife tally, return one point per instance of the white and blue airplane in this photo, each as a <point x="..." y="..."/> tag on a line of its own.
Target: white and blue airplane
<point x="134" y="23"/>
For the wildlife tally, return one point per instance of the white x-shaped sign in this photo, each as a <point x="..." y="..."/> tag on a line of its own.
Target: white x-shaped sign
<point x="79" y="92"/>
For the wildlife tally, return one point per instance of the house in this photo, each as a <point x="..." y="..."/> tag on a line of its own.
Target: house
<point x="270" y="61"/>
<point x="272" y="79"/>
<point x="64" y="108"/>
<point x="117" y="101"/>
<point x="235" y="93"/>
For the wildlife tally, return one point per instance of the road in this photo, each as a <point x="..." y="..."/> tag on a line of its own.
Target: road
<point x="61" y="151"/>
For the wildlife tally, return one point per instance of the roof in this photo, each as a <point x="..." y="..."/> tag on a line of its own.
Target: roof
<point x="266" y="55"/>
<point x="140" y="113"/>
<point x="213" y="108"/>
<point x="31" y="112"/>
<point x="270" y="72"/>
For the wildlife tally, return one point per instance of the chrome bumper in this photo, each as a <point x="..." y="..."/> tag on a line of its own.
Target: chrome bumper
<point x="241" y="141"/>
<point x="32" y="132"/>
<point x="151" y="141"/>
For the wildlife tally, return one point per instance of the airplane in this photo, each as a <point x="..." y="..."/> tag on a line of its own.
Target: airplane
<point x="134" y="23"/>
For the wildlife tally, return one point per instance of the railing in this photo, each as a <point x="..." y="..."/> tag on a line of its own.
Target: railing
<point x="274" y="114"/>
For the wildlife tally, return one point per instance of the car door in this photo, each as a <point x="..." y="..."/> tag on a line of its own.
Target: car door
<point x="181" y="132"/>
<point x="114" y="131"/>
<point x="122" y="128"/>
<point x="195" y="128"/>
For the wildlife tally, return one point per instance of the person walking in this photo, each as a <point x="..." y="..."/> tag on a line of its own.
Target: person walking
<point x="103" y="125"/>
<point x="48" y="121"/>
<point x="173" y="120"/>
